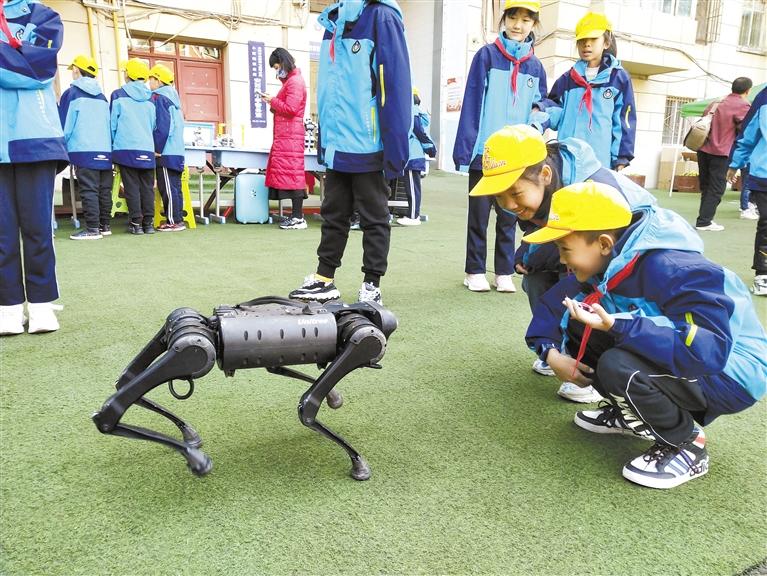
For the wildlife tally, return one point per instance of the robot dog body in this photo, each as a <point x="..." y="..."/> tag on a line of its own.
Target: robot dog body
<point x="269" y="333"/>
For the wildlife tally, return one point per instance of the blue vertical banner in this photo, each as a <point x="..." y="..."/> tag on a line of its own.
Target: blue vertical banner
<point x="257" y="65"/>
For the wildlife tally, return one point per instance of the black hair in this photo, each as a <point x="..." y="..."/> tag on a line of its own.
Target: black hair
<point x="592" y="236"/>
<point x="283" y="58"/>
<point x="416" y="100"/>
<point x="741" y="85"/>
<point x="85" y="73"/>
<point x="531" y="174"/>
<point x="536" y="16"/>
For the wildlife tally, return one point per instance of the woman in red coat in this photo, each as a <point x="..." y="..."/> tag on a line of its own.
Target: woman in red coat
<point x="285" y="169"/>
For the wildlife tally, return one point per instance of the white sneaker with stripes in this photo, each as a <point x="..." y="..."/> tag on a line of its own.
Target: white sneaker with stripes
<point x="664" y="466"/>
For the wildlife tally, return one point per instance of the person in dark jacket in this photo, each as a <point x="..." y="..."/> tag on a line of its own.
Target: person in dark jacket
<point x="84" y="113"/>
<point x="365" y="119"/>
<point x="133" y="121"/>
<point x="285" y="168"/>
<point x="713" y="156"/>
<point x="30" y="149"/>
<point x="168" y="146"/>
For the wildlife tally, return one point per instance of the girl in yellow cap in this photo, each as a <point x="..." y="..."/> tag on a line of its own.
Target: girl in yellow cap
<point x="596" y="97"/>
<point x="504" y="82"/>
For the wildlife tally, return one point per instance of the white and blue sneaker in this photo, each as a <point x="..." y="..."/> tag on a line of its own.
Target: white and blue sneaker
<point x="369" y="293"/>
<point x="665" y="466"/>
<point x="582" y="394"/>
<point x="542" y="368"/>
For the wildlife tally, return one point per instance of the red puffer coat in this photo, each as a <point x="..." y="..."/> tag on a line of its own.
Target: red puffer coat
<point x="285" y="169"/>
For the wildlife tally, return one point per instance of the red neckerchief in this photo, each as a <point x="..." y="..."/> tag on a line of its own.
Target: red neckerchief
<point x="515" y="62"/>
<point x="12" y="40"/>
<point x="332" y="45"/>
<point x="595" y="297"/>
<point x="581" y="81"/>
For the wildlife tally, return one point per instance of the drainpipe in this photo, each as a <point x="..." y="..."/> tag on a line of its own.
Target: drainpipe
<point x="117" y="40"/>
<point x="91" y="40"/>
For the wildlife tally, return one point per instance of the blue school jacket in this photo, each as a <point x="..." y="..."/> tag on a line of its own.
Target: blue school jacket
<point x="578" y="163"/>
<point x="84" y="113"/>
<point x="677" y="309"/>
<point x="133" y="121"/>
<point x="420" y="142"/>
<point x="489" y="101"/>
<point x="610" y="128"/>
<point x="364" y="96"/>
<point x="751" y="145"/>
<point x="30" y="129"/>
<point x="169" y="131"/>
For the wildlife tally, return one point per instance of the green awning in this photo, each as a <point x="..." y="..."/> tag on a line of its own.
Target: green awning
<point x="696" y="108"/>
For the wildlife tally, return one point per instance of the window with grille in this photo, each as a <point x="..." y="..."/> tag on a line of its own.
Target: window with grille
<point x="709" y="17"/>
<point x="674" y="126"/>
<point x="752" y="25"/>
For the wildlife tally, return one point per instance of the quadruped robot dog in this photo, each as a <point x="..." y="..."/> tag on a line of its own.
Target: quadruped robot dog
<point x="268" y="332"/>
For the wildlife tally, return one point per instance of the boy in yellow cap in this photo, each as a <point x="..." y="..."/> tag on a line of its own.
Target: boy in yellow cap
<point x="84" y="113"/>
<point x="676" y="338"/>
<point x="133" y="121"/>
<point x="522" y="171"/>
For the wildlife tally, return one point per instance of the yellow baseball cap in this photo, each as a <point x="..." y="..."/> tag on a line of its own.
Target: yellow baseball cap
<point x="508" y="152"/>
<point x="531" y="5"/>
<point x="582" y="207"/>
<point x="85" y="63"/>
<point x="416" y="92"/>
<point x="592" y="25"/>
<point x="162" y="73"/>
<point x="136" y="69"/>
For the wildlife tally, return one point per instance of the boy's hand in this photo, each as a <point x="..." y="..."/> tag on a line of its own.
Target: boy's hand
<point x="563" y="367"/>
<point x="732" y="175"/>
<point x="520" y="269"/>
<point x="594" y="316"/>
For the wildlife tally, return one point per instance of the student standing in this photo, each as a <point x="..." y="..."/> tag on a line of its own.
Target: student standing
<point x="31" y="145"/>
<point x="168" y="146"/>
<point x="84" y="113"/>
<point x="365" y="119"/>
<point x="133" y="121"/>
<point x="595" y="97"/>
<point x="504" y="82"/>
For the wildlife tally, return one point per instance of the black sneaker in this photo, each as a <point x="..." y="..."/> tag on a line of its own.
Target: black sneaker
<point x="148" y="229"/>
<point x="134" y="228"/>
<point x="316" y="290"/>
<point x="105" y="229"/>
<point x="609" y="418"/>
<point x="87" y="234"/>
<point x="664" y="466"/>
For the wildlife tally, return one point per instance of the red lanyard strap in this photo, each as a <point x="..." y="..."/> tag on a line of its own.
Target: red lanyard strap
<point x="6" y="30"/>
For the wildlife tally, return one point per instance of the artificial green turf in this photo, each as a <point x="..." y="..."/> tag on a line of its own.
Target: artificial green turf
<point x="477" y="466"/>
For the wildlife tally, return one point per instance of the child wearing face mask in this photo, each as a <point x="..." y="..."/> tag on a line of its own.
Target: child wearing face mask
<point x="595" y="97"/>
<point x="505" y="81"/>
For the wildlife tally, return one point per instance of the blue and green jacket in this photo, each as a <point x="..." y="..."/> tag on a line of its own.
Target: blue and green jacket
<point x="169" y="131"/>
<point x="364" y="96"/>
<point x="575" y="163"/>
<point x="420" y="142"/>
<point x="751" y="144"/>
<point x="30" y="129"/>
<point x="677" y="309"/>
<point x="133" y="121"/>
<point x="84" y="113"/>
<point x="610" y="125"/>
<point x="490" y="101"/>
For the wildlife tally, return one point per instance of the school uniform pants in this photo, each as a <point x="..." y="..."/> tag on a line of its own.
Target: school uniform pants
<point x="26" y="233"/>
<point x="712" y="176"/>
<point x="96" y="195"/>
<point x="476" y="233"/>
<point x="368" y="193"/>
<point x="759" y="197"/>
<point x="413" y="188"/>
<point x="536" y="284"/>
<point x="139" y="193"/>
<point x="169" y="183"/>
<point x="668" y="404"/>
